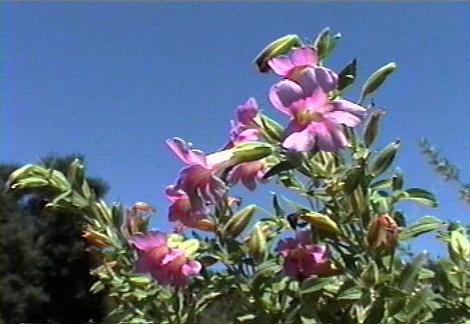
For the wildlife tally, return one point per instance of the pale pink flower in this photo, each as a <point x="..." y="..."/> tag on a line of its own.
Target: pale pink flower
<point x="303" y="259"/>
<point x="248" y="174"/>
<point x="166" y="265"/>
<point x="181" y="210"/>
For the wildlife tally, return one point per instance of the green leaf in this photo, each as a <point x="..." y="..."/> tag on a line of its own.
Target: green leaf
<point x="347" y="76"/>
<point x="459" y="245"/>
<point x="376" y="313"/>
<point x="409" y="276"/>
<point x="278" y="168"/>
<point x="354" y="177"/>
<point x="315" y="284"/>
<point x="418" y="301"/>
<point x="424" y="225"/>
<point x="325" y="43"/>
<point x="418" y="195"/>
<point x="280" y="212"/>
<point x="353" y="293"/>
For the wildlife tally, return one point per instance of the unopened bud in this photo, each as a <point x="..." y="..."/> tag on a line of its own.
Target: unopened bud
<point x="239" y="222"/>
<point x="252" y="151"/>
<point x="29" y="170"/>
<point x="371" y="129"/>
<point x="385" y="158"/>
<point x="322" y="223"/>
<point x="143" y="207"/>
<point x="257" y="244"/>
<point x="376" y="79"/>
<point x="96" y="239"/>
<point x="278" y="47"/>
<point x="205" y="225"/>
<point x="383" y="233"/>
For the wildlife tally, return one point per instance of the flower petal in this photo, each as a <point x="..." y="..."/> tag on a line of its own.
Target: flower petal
<point x="148" y="241"/>
<point x="191" y="268"/>
<point x="284" y="93"/>
<point x="247" y="111"/>
<point x="185" y="153"/>
<point x="350" y="107"/>
<point x="344" y="118"/>
<point x="304" y="56"/>
<point x="302" y="141"/>
<point x="281" y="65"/>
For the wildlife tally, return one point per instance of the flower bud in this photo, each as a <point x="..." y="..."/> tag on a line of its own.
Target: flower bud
<point x="278" y="47"/>
<point x="238" y="222"/>
<point x="205" y="225"/>
<point x="376" y="79"/>
<point x="371" y="129"/>
<point x="257" y="244"/>
<point x="383" y="233"/>
<point x="76" y="172"/>
<point x="252" y="151"/>
<point x="322" y="223"/>
<point x="96" y="239"/>
<point x="384" y="158"/>
<point x="29" y="170"/>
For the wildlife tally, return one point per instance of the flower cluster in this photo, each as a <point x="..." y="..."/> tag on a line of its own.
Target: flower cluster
<point x="308" y="94"/>
<point x="317" y="119"/>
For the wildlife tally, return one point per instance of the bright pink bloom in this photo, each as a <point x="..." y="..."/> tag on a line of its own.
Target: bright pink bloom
<point x="166" y="265"/>
<point x="301" y="66"/>
<point x="303" y="259"/>
<point x="248" y="173"/>
<point x="316" y="121"/>
<point x="297" y="58"/>
<point x="180" y="209"/>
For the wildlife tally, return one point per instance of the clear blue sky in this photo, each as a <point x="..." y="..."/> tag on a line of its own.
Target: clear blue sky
<point x="114" y="80"/>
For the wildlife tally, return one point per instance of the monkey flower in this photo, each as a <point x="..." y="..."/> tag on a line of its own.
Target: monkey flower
<point x="198" y="179"/>
<point x="168" y="259"/>
<point x="180" y="209"/>
<point x="317" y="122"/>
<point x="301" y="67"/>
<point x="245" y="128"/>
<point x="303" y="259"/>
<point x="248" y="173"/>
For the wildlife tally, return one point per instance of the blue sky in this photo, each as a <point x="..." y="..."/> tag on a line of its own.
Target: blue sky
<point x="114" y="80"/>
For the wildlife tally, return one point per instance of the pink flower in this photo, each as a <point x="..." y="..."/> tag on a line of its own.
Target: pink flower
<point x="247" y="112"/>
<point x="167" y="265"/>
<point x="198" y="180"/>
<point x="316" y="121"/>
<point x="244" y="129"/>
<point x="248" y="173"/>
<point x="301" y="66"/>
<point x="180" y="209"/>
<point x="303" y="259"/>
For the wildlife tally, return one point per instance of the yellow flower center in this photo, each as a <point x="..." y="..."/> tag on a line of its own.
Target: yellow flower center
<point x="306" y="117"/>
